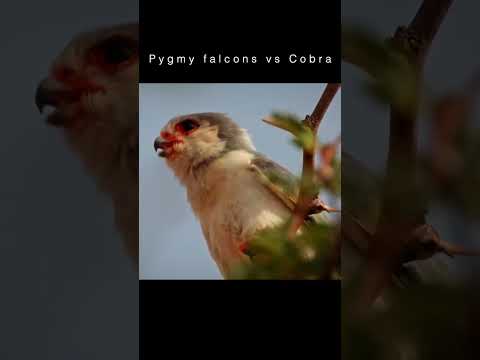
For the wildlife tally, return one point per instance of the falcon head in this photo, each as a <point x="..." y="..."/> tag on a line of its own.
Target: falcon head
<point x="91" y="78"/>
<point x="190" y="141"/>
<point x="91" y="92"/>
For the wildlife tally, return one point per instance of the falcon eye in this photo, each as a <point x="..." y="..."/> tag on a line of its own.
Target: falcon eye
<point x="115" y="51"/>
<point x="118" y="49"/>
<point x="186" y="126"/>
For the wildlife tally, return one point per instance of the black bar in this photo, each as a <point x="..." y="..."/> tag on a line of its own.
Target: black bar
<point x="285" y="31"/>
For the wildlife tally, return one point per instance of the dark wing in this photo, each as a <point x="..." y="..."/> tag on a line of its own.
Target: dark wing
<point x="281" y="182"/>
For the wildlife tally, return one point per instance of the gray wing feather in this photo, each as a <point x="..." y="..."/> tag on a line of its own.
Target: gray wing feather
<point x="281" y="182"/>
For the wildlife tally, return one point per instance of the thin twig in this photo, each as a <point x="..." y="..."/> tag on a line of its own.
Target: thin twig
<point x="305" y="197"/>
<point x="313" y="121"/>
<point x="271" y="121"/>
<point x="319" y="206"/>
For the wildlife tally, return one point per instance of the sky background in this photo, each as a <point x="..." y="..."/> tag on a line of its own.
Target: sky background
<point x="171" y="242"/>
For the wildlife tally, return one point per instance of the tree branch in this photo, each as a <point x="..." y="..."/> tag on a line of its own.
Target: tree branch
<point x="313" y="121"/>
<point x="401" y="209"/>
<point x="426" y="23"/>
<point x="306" y="197"/>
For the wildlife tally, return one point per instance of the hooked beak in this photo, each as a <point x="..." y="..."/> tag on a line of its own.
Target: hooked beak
<point x="165" y="148"/>
<point x="51" y="94"/>
<point x="160" y="146"/>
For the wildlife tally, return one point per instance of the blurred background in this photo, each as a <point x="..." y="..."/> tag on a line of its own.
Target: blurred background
<point x="72" y="290"/>
<point x="452" y="64"/>
<point x="171" y="241"/>
<point x="437" y="319"/>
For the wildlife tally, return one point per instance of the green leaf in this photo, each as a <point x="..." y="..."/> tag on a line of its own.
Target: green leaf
<point x="275" y="256"/>
<point x="393" y="78"/>
<point x="304" y="137"/>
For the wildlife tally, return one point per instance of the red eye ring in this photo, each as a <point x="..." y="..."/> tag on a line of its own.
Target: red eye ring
<point x="187" y="126"/>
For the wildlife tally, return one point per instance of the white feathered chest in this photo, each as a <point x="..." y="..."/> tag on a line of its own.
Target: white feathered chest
<point x="232" y="205"/>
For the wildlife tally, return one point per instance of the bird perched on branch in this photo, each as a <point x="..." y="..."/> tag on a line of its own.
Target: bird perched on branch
<point x="233" y="190"/>
<point x="92" y="94"/>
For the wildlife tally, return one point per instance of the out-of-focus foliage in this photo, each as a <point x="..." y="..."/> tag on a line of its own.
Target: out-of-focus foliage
<point x="312" y="254"/>
<point x="393" y="78"/>
<point x="450" y="165"/>
<point x="425" y="322"/>
<point x="329" y="174"/>
<point x="309" y="256"/>
<point x="414" y="321"/>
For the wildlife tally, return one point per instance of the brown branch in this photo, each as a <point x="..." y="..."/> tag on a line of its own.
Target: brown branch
<point x="426" y="23"/>
<point x="306" y="197"/>
<point x="313" y="121"/>
<point x="426" y="241"/>
<point x="401" y="210"/>
<point x="415" y="41"/>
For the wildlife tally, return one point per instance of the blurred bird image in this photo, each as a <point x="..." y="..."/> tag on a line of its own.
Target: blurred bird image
<point x="91" y="93"/>
<point x="233" y="190"/>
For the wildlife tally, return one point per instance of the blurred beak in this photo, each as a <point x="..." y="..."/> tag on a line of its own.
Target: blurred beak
<point x="50" y="93"/>
<point x="44" y="96"/>
<point x="160" y="146"/>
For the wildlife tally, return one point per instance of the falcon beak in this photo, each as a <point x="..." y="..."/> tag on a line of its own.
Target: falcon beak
<point x="43" y="96"/>
<point x="50" y="94"/>
<point x="160" y="146"/>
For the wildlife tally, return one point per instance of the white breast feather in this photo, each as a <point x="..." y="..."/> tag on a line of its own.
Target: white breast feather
<point x="232" y="205"/>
